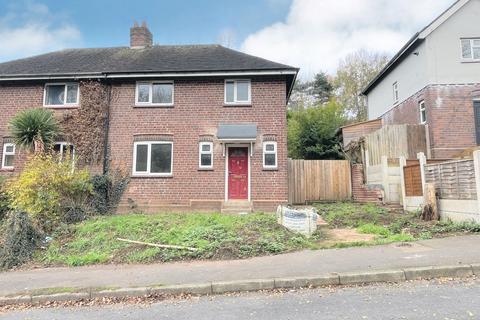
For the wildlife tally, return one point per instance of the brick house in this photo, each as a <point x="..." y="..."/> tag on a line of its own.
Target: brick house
<point x="435" y="80"/>
<point x="198" y="127"/>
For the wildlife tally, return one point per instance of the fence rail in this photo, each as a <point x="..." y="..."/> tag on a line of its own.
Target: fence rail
<point x="318" y="180"/>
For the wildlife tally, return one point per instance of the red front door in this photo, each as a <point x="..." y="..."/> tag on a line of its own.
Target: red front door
<point x="237" y="173"/>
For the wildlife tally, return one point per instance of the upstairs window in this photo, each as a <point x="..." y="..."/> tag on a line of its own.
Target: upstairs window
<point x="154" y="93"/>
<point x="395" y="92"/>
<point x="238" y="92"/>
<point x="471" y="49"/>
<point x="270" y="155"/>
<point x="206" y="155"/>
<point x="153" y="158"/>
<point x="423" y="112"/>
<point x="8" y="155"/>
<point x="64" y="149"/>
<point x="61" y="94"/>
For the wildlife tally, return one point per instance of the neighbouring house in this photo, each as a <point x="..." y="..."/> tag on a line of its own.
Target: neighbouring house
<point x="435" y="80"/>
<point x="197" y="127"/>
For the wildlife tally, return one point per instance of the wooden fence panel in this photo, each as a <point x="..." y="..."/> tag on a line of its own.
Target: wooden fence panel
<point x="453" y="179"/>
<point x="318" y="180"/>
<point x="413" y="180"/>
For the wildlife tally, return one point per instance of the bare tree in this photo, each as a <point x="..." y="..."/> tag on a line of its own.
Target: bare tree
<point x="354" y="73"/>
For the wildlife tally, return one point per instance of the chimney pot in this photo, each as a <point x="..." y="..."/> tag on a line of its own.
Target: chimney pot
<point x="140" y="37"/>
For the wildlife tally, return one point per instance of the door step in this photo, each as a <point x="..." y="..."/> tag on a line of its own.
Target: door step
<point x="237" y="207"/>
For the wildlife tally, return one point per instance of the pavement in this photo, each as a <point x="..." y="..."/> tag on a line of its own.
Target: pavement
<point x="423" y="300"/>
<point x="389" y="263"/>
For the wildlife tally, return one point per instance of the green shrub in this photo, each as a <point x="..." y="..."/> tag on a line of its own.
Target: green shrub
<point x="108" y="190"/>
<point x="4" y="200"/>
<point x="20" y="240"/>
<point x="45" y="186"/>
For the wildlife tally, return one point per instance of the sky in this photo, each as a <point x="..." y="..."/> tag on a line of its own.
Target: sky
<point x="310" y="34"/>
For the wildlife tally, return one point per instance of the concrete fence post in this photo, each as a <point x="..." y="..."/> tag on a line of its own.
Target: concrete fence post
<point x="365" y="167"/>
<point x="403" y="163"/>
<point x="476" y="166"/>
<point x="385" y="184"/>
<point x="422" y="160"/>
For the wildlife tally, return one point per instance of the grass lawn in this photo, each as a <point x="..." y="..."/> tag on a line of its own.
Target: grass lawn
<point x="216" y="236"/>
<point x="387" y="225"/>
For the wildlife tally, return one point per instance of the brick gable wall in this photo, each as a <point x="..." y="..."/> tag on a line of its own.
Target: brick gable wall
<point x="450" y="119"/>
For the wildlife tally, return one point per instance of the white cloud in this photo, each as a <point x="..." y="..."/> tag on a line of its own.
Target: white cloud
<point x="318" y="33"/>
<point x="31" y="29"/>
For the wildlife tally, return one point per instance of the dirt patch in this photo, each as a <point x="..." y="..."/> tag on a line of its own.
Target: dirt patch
<point x="333" y="236"/>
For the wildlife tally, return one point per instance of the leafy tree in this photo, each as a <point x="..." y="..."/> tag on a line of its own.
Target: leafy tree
<point x="306" y="94"/>
<point x="353" y="75"/>
<point x="312" y="132"/>
<point x="34" y="129"/>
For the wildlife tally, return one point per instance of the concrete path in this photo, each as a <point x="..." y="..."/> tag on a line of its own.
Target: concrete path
<point x="448" y="251"/>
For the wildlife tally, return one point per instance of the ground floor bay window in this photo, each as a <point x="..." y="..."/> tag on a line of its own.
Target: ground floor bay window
<point x="153" y="158"/>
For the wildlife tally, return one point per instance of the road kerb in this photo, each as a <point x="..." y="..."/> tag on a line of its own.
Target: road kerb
<point x="120" y="293"/>
<point x="372" y="276"/>
<point x="454" y="271"/>
<point x="305" y="282"/>
<point x="4" y="301"/>
<point x="200" y="289"/>
<point x="242" y="285"/>
<point x="74" y="296"/>
<point x="476" y="269"/>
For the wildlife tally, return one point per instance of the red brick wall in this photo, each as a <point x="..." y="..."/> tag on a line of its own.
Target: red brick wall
<point x="360" y="192"/>
<point x="449" y="110"/>
<point x="198" y="110"/>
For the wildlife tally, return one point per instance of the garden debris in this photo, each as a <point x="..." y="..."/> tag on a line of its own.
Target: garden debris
<point x="167" y="246"/>
<point x="302" y="221"/>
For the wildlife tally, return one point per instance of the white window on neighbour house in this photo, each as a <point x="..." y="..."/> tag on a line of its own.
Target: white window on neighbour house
<point x="8" y="155"/>
<point x="471" y="49"/>
<point x="395" y="92"/>
<point x="153" y="158"/>
<point x="205" y="157"/>
<point x="238" y="92"/>
<point x="61" y="95"/>
<point x="154" y="93"/>
<point x="270" y="155"/>
<point x="423" y="112"/>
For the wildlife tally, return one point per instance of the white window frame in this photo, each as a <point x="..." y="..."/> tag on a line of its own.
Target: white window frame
<point x="65" y="104"/>
<point x="149" y="154"/>
<point x="5" y="154"/>
<point x="270" y="152"/>
<point x="396" y="95"/>
<point x="471" y="40"/>
<point x="150" y="94"/>
<point x="421" y="107"/>
<point x="63" y="145"/>
<point x="235" y="101"/>
<point x="200" y="152"/>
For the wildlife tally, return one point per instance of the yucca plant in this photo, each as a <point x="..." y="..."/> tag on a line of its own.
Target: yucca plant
<point x="34" y="129"/>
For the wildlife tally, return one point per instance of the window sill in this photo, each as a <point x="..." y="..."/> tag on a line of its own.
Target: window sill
<point x="470" y="61"/>
<point x="205" y="169"/>
<point x="151" y="176"/>
<point x="7" y="169"/>
<point x="154" y="106"/>
<point x="237" y="105"/>
<point x="270" y="169"/>
<point x="75" y="106"/>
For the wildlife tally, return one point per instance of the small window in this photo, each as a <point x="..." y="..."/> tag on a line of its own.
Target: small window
<point x="423" y="112"/>
<point x="8" y="156"/>
<point x="471" y="49"/>
<point x="154" y="94"/>
<point x="206" y="155"/>
<point x="270" y="155"/>
<point x="237" y="92"/>
<point x="395" y="92"/>
<point x="61" y="94"/>
<point x="64" y="149"/>
<point x="153" y="158"/>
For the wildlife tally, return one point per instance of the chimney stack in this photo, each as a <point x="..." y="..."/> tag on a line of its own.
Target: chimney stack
<point x="140" y="36"/>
